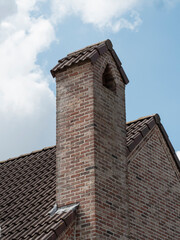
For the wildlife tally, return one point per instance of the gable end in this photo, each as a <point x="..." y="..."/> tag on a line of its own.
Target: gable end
<point x="138" y="129"/>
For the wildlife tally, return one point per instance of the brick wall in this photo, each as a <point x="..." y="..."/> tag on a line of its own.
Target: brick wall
<point x="70" y="233"/>
<point x="110" y="154"/>
<point x="75" y="144"/>
<point x="154" y="191"/>
<point x="91" y="149"/>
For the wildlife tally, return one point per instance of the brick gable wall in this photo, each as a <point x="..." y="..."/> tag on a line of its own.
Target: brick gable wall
<point x="91" y="149"/>
<point x="154" y="191"/>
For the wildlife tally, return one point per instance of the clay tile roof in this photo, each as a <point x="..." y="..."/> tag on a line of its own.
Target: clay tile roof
<point x="27" y="195"/>
<point x="91" y="53"/>
<point x="28" y="183"/>
<point x="136" y="130"/>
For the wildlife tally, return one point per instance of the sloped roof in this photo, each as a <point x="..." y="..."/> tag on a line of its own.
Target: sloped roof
<point x="27" y="195"/>
<point x="139" y="128"/>
<point x="28" y="183"/>
<point x="92" y="53"/>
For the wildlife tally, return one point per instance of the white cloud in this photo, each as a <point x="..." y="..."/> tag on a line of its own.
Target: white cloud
<point x="178" y="154"/>
<point x="7" y="8"/>
<point x="27" y="104"/>
<point x="27" y="109"/>
<point x="112" y="14"/>
<point x="106" y="14"/>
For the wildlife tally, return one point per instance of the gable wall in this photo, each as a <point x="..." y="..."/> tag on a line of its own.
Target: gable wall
<point x="154" y="191"/>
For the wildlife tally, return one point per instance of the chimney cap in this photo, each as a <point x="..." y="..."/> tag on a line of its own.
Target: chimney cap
<point x="91" y="53"/>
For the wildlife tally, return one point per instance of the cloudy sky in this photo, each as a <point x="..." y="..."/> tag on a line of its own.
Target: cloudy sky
<point x="34" y="34"/>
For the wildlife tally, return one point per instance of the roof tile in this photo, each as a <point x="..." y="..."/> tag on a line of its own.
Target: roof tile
<point x="138" y="129"/>
<point x="90" y="53"/>
<point x="143" y="126"/>
<point x="28" y="194"/>
<point x="28" y="188"/>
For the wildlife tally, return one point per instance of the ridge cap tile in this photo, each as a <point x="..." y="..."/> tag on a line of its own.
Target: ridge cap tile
<point x="84" y="54"/>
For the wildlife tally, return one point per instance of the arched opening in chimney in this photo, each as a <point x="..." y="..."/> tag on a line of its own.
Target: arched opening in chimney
<point x="108" y="79"/>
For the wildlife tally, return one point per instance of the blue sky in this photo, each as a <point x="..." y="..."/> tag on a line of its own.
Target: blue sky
<point x="36" y="33"/>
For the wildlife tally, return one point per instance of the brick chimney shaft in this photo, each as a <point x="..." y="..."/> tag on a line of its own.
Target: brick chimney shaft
<point x="91" y="148"/>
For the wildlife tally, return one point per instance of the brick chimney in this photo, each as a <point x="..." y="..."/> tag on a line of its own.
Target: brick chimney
<point x="91" y="141"/>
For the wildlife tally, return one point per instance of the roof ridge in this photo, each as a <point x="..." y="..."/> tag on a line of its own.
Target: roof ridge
<point x="90" y="53"/>
<point x="156" y="116"/>
<point x="89" y="46"/>
<point x="27" y="154"/>
<point x="135" y="139"/>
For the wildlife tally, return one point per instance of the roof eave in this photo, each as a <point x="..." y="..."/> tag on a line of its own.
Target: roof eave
<point x="60" y="228"/>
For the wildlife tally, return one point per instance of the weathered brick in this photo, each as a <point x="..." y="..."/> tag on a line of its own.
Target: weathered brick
<point x="154" y="193"/>
<point x="91" y="149"/>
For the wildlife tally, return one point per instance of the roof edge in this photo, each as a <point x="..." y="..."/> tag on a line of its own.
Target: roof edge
<point x="156" y="120"/>
<point x="167" y="140"/>
<point x="100" y="48"/>
<point x="141" y="134"/>
<point x="27" y="154"/>
<point x="66" y="221"/>
<point x="141" y="118"/>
